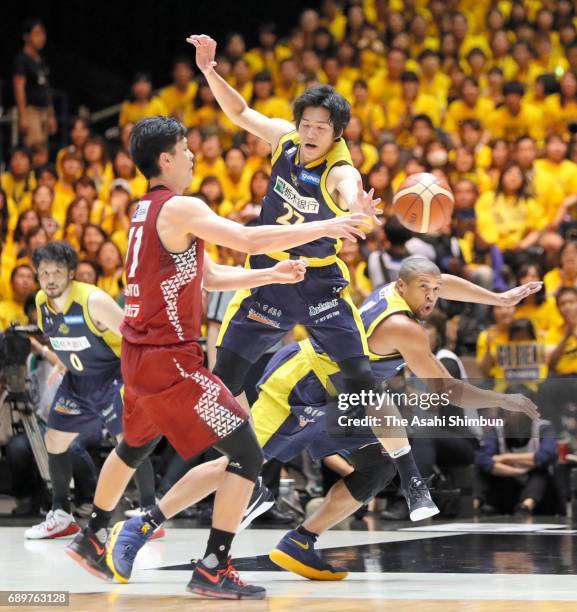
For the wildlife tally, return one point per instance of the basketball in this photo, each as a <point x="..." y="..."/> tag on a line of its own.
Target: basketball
<point x="423" y="203"/>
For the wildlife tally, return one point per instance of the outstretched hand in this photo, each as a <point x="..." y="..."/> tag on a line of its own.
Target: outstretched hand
<point x="205" y="51"/>
<point x="517" y="402"/>
<point x="367" y="204"/>
<point x="515" y="295"/>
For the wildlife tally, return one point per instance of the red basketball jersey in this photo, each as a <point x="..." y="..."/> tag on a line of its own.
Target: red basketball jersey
<point x="163" y="296"/>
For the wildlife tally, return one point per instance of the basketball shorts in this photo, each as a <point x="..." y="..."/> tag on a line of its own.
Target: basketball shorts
<point x="81" y="399"/>
<point x="167" y="391"/>
<point x="291" y="413"/>
<point x="259" y="318"/>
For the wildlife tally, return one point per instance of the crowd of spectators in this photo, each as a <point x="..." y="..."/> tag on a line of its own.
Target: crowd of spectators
<point x="481" y="93"/>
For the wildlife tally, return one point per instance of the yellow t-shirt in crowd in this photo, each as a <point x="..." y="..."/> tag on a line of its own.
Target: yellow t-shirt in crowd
<point x="500" y="338"/>
<point x="505" y="220"/>
<point x="553" y="281"/>
<point x="274" y="107"/>
<point x="557" y="116"/>
<point x="176" y="100"/>
<point x="458" y="111"/>
<point x="382" y="89"/>
<point x="543" y="316"/>
<point x="437" y="87"/>
<point x="564" y="174"/>
<point x="502" y="124"/>
<point x="204" y="168"/>
<point x="131" y="112"/>
<point x="567" y="364"/>
<point x="237" y="192"/>
<point x="548" y="191"/>
<point x="11" y="312"/>
<point x="397" y="109"/>
<point x="17" y="190"/>
<point x="372" y="117"/>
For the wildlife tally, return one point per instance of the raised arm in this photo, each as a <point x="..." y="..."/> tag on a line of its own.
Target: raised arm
<point x="231" y="102"/>
<point x="346" y="182"/>
<point x="187" y="215"/>
<point x="224" y="278"/>
<point x="461" y="290"/>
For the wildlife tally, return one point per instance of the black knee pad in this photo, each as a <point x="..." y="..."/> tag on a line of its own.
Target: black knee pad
<point x="232" y="369"/>
<point x="133" y="456"/>
<point x="245" y="456"/>
<point x="373" y="472"/>
<point x="357" y="375"/>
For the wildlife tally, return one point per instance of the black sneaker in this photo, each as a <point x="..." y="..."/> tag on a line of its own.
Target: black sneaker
<point x="261" y="501"/>
<point x="418" y="497"/>
<point x="87" y="550"/>
<point x="222" y="583"/>
<point x="522" y="511"/>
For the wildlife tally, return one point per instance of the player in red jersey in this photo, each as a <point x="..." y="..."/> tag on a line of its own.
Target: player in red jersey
<point x="167" y="389"/>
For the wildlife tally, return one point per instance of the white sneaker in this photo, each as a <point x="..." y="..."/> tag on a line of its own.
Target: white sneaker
<point x="58" y="524"/>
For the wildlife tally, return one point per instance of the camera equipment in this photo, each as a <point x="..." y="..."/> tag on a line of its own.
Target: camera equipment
<point x="14" y="350"/>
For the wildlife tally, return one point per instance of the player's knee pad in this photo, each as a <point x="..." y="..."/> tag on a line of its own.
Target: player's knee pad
<point x="133" y="456"/>
<point x="373" y="472"/>
<point x="245" y="456"/>
<point x="357" y="374"/>
<point x="232" y="369"/>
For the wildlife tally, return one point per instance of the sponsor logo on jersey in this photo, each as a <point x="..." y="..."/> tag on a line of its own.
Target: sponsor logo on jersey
<point x="290" y="195"/>
<point x="133" y="311"/>
<point x="68" y="407"/>
<point x="73" y="319"/>
<point x="141" y="211"/>
<point x="290" y="152"/>
<point x="259" y="318"/>
<point x="307" y="177"/>
<point x="70" y="344"/>
<point x="322" y="306"/>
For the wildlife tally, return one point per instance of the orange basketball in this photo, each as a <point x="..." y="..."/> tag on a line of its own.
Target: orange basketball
<point x="423" y="203"/>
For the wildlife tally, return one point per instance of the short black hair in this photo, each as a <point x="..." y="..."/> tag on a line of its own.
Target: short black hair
<point x="426" y="53"/>
<point x="152" y="136"/>
<point x="409" y="77"/>
<point x="520" y="326"/>
<point x="563" y="291"/>
<point x="324" y="96"/>
<point x="30" y="24"/>
<point x="513" y="87"/>
<point x="396" y="233"/>
<point x="422" y="117"/>
<point x="59" y="252"/>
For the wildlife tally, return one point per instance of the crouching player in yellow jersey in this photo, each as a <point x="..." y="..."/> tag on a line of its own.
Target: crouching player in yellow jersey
<point x="291" y="415"/>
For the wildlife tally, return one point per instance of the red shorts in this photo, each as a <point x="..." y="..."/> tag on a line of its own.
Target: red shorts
<point x="167" y="391"/>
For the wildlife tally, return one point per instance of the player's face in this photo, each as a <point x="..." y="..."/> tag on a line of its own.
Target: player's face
<point x="179" y="169"/>
<point x="567" y="305"/>
<point x="316" y="133"/>
<point x="421" y="293"/>
<point x="54" y="278"/>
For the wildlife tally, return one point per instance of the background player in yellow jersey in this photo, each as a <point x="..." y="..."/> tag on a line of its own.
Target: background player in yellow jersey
<point x="82" y="323"/>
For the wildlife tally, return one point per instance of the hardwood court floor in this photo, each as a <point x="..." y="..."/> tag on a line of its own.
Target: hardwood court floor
<point x="493" y="568"/>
